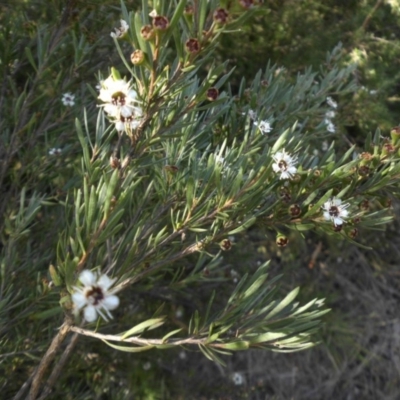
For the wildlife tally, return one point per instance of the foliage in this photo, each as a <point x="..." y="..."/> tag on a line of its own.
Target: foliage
<point x="152" y="193"/>
<point x="297" y="34"/>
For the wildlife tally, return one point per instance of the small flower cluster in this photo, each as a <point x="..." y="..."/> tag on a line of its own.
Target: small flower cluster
<point x="333" y="209"/>
<point x="329" y="115"/>
<point x="94" y="297"/>
<point x="121" y="103"/>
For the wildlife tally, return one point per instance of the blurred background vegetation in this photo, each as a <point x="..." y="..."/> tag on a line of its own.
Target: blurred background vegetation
<point x="359" y="355"/>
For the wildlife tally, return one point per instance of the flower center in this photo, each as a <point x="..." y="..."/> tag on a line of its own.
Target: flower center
<point x="334" y="211"/>
<point x="126" y="119"/>
<point x="95" y="295"/>
<point x="118" y="99"/>
<point x="282" y="165"/>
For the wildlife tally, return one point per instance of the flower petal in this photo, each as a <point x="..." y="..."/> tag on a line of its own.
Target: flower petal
<point x="111" y="302"/>
<point x="90" y="313"/>
<point x="88" y="278"/>
<point x="79" y="300"/>
<point x="105" y="282"/>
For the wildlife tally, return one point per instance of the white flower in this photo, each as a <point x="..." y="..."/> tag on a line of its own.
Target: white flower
<point x="335" y="211"/>
<point x="55" y="151"/>
<point x="121" y="103"/>
<point x="238" y="379"/>
<point x="119" y="97"/>
<point x="330" y="114"/>
<point x="68" y="99"/>
<point x="95" y="296"/>
<point x="325" y="145"/>
<point x="252" y="114"/>
<point x="264" y="126"/>
<point x="285" y="164"/>
<point x="119" y="32"/>
<point x="330" y="126"/>
<point x="332" y="103"/>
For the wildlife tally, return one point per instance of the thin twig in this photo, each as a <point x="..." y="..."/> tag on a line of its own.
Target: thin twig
<point x="51" y="352"/>
<point x="371" y="13"/>
<point x="140" y="341"/>
<point x="59" y="367"/>
<point x="21" y="392"/>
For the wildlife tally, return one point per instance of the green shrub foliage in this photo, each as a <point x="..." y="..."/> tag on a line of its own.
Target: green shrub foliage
<point x="166" y="164"/>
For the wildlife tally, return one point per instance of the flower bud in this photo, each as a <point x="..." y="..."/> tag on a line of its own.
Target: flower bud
<point x="337" y="228"/>
<point x="147" y="32"/>
<point x="114" y="162"/>
<point x="220" y="16"/>
<point x="353" y="233"/>
<point x="212" y="94"/>
<point x="188" y="10"/>
<point x="317" y="172"/>
<point x="160" y="23"/>
<point x="364" y="170"/>
<point x="192" y="46"/>
<point x="246" y="4"/>
<point x="366" y="156"/>
<point x="137" y="57"/>
<point x="294" y="210"/>
<point x="364" y="205"/>
<point x="388" y="149"/>
<point x="395" y="134"/>
<point x="225" y="245"/>
<point x="282" y="240"/>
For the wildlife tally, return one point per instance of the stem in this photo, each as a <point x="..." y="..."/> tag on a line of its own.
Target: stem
<point x="59" y="367"/>
<point x="37" y="375"/>
<point x="143" y="342"/>
<point x="370" y="15"/>
<point x="92" y="245"/>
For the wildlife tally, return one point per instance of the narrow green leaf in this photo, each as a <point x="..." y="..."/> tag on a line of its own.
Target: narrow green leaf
<point x="129" y="349"/>
<point x="151" y="323"/>
<point x="281" y="141"/>
<point x="168" y="335"/>
<point x="283" y="303"/>
<point x="243" y="227"/>
<point x="239" y="345"/>
<point x="190" y="185"/>
<point x="30" y="58"/>
<point x="175" y="19"/>
<point x="110" y="192"/>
